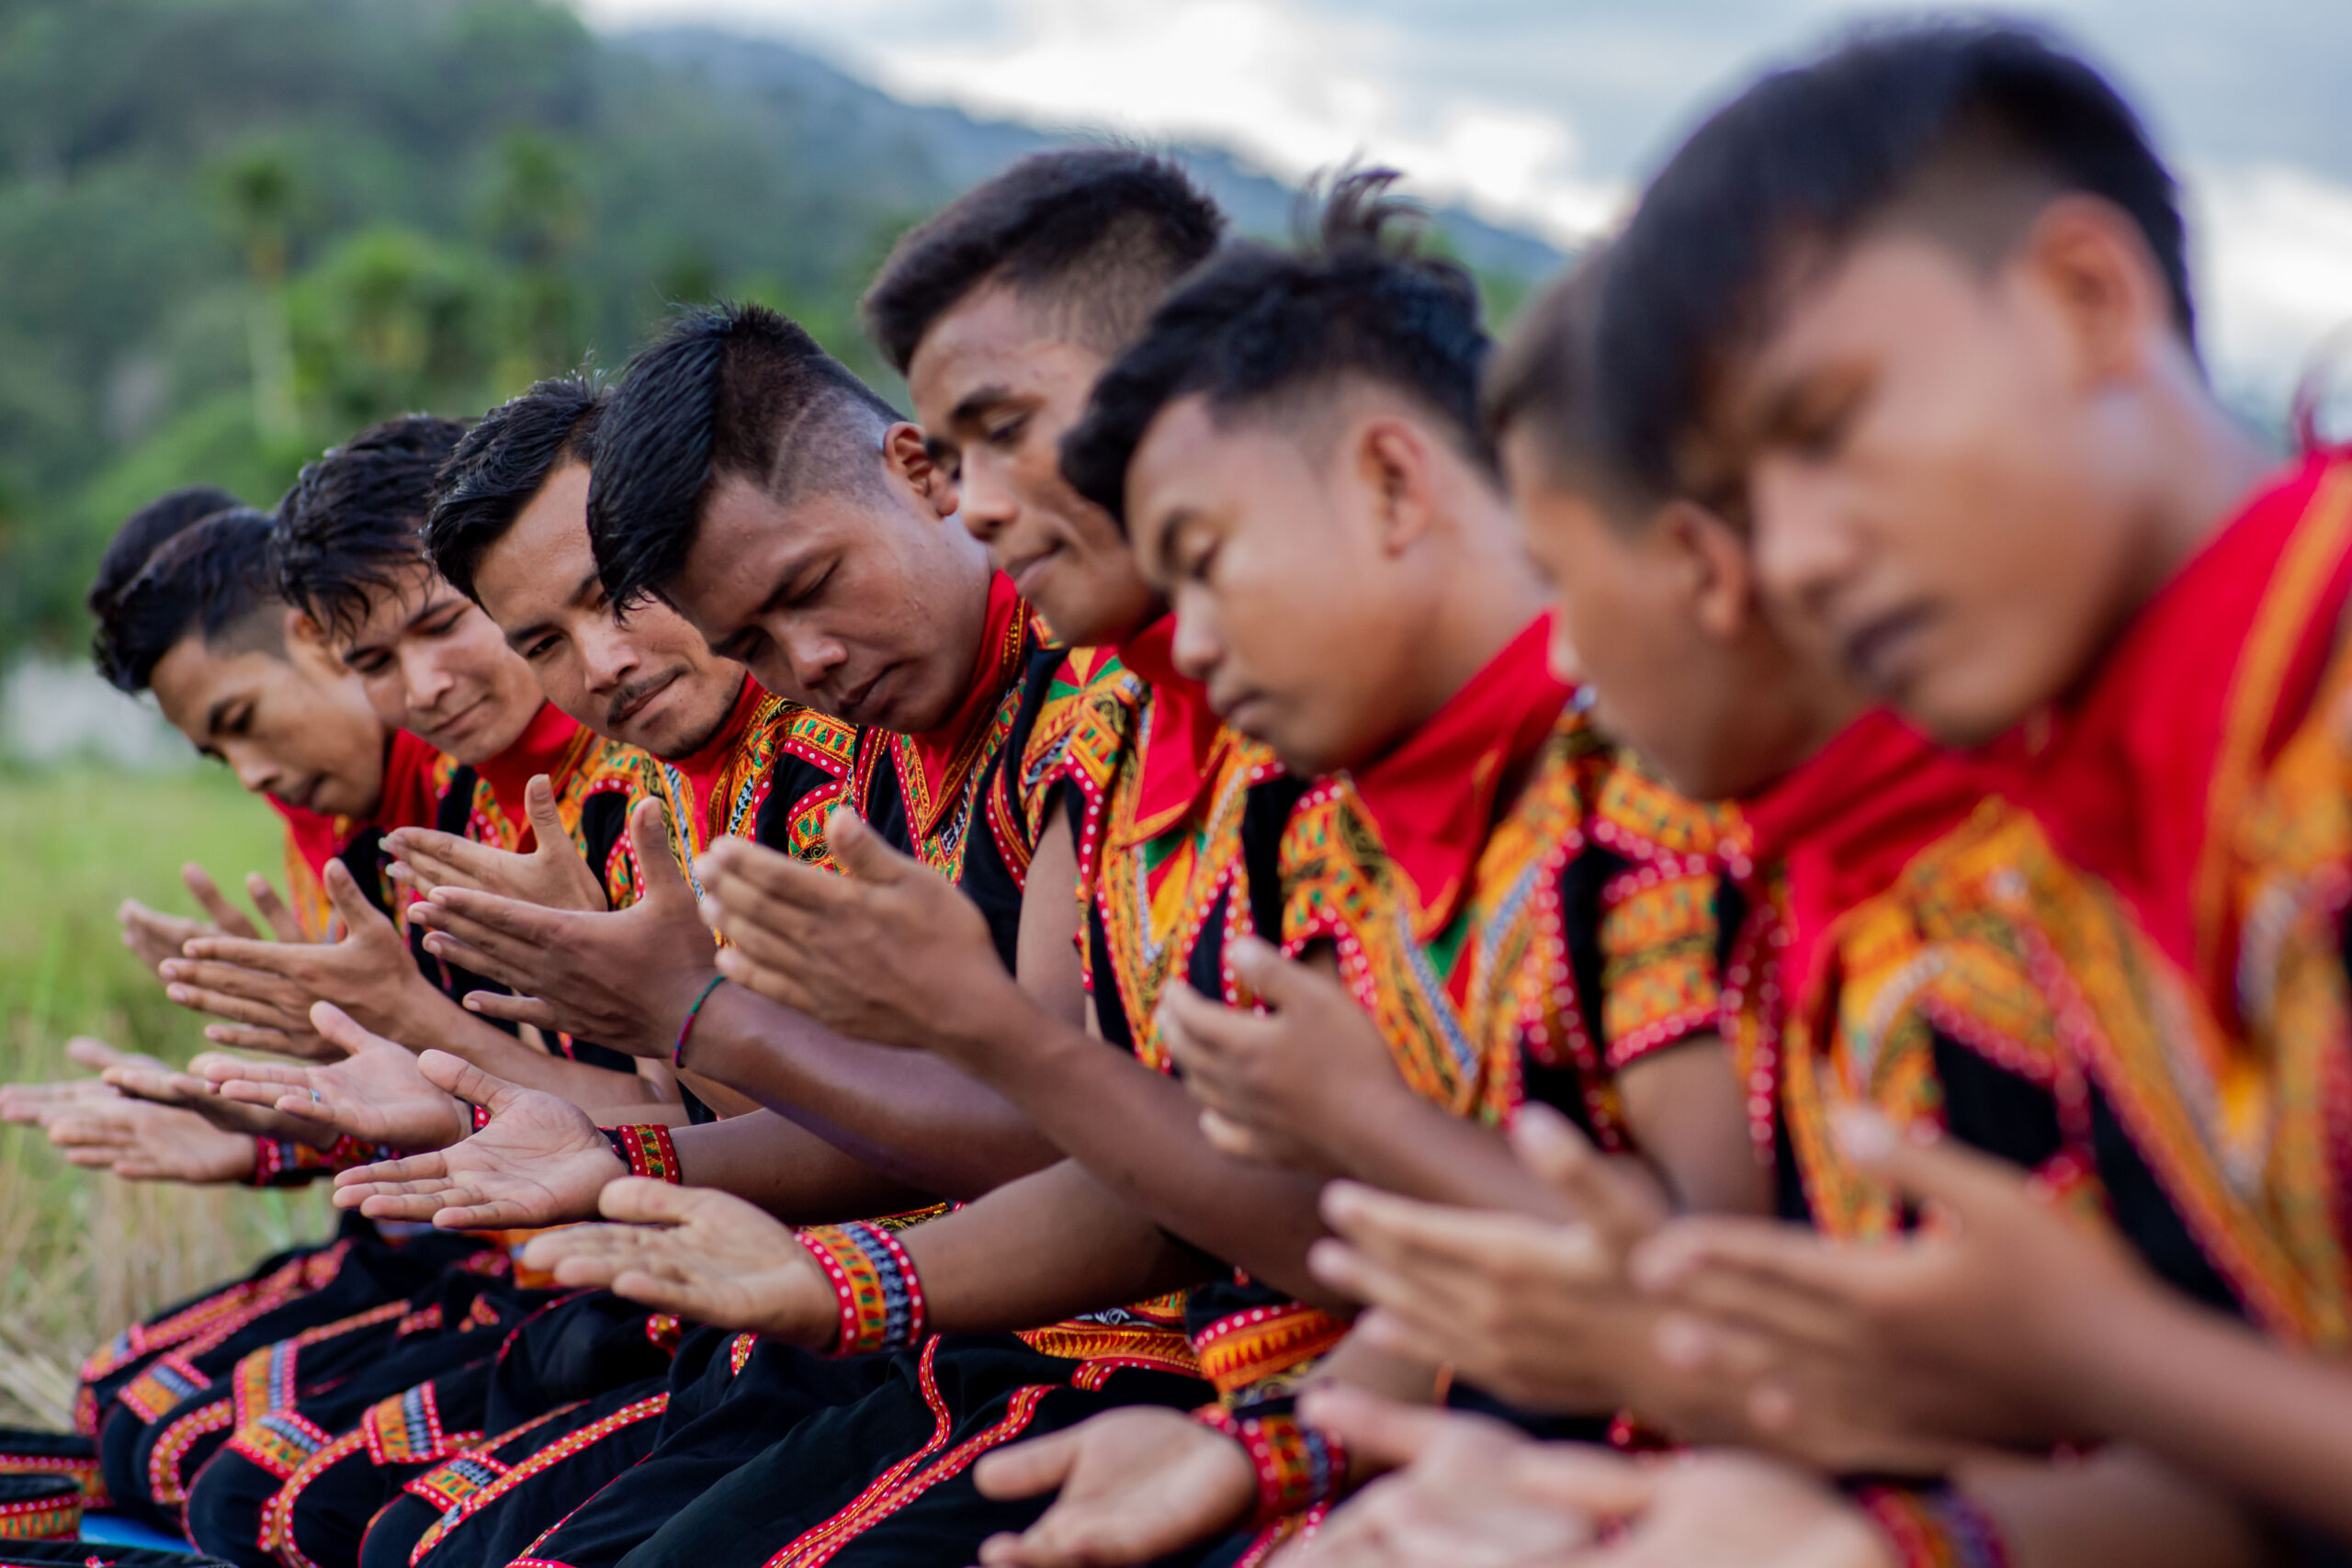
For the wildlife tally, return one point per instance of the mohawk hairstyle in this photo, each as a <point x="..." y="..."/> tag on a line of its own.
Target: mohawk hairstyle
<point x="1097" y="234"/>
<point x="143" y="530"/>
<point x="209" y="578"/>
<point x="499" y="465"/>
<point x="728" y="390"/>
<point x="1258" y="325"/>
<point x="1964" y="129"/>
<point x="351" y="524"/>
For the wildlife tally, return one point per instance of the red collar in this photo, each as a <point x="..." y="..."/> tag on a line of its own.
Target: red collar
<point x="705" y="767"/>
<point x="2225" y="659"/>
<point x="1844" y="823"/>
<point x="316" y="839"/>
<point x="550" y="744"/>
<point x="1434" y="796"/>
<point x="1182" y="736"/>
<point x="409" y="798"/>
<point x="944" y="754"/>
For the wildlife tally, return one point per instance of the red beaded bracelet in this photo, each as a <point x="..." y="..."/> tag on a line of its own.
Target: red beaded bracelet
<point x="881" y="1299"/>
<point x="647" y="1151"/>
<point x="1297" y="1466"/>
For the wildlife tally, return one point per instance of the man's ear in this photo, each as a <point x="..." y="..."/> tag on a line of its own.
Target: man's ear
<point x="1719" y="582"/>
<point x="2091" y="262"/>
<point x="1392" y="461"/>
<point x="906" y="454"/>
<point x="307" y="645"/>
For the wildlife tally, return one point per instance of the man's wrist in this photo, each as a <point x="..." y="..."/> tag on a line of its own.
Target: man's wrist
<point x="1005" y="1036"/>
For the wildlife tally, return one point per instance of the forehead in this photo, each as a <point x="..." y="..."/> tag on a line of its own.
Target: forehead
<point x="545" y="556"/>
<point x="192" y="676"/>
<point x="993" y="337"/>
<point x="393" y="603"/>
<point x="1190" y="462"/>
<point x="1891" y="288"/>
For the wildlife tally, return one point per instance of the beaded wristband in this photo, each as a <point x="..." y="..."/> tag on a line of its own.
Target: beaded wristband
<point x="678" y="1051"/>
<point x="881" y="1299"/>
<point x="1934" y="1527"/>
<point x="647" y="1151"/>
<point x="1297" y="1466"/>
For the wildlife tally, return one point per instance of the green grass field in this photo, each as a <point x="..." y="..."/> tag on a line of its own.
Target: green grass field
<point x="81" y="1255"/>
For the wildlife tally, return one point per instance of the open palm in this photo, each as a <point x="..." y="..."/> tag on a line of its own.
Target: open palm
<point x="538" y="1161"/>
<point x="377" y="1092"/>
<point x="700" y="1253"/>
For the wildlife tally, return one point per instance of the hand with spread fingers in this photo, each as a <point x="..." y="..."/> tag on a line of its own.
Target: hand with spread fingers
<point x="377" y="1092"/>
<point x="1539" y="1313"/>
<point x="1702" y="1508"/>
<point x="538" y="1161"/>
<point x="154" y="1083"/>
<point x="155" y="936"/>
<point x="139" y="1142"/>
<point x="1135" y="1484"/>
<point x="1451" y="1494"/>
<point x="32" y="1104"/>
<point x="269" y="986"/>
<point x="624" y="978"/>
<point x="700" y="1253"/>
<point x="1271" y="1084"/>
<point x="889" y="953"/>
<point x="554" y="874"/>
<point x="1882" y="1356"/>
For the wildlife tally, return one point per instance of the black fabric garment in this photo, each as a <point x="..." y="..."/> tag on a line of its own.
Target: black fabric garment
<point x="570" y="1348"/>
<point x="605" y="1500"/>
<point x="371" y="1273"/>
<point x="887" y="1479"/>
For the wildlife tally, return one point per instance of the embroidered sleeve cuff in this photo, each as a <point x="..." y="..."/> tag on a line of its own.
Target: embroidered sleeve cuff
<point x="285" y="1162"/>
<point x="1297" y="1465"/>
<point x="874" y="1280"/>
<point x="647" y="1151"/>
<point x="1934" y="1527"/>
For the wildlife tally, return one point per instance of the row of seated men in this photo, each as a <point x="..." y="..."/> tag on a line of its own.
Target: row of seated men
<point x="1265" y="935"/>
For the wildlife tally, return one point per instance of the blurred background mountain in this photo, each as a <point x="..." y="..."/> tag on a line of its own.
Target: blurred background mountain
<point x="233" y="232"/>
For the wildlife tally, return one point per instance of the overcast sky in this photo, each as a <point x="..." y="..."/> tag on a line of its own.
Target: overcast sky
<point x="1548" y="112"/>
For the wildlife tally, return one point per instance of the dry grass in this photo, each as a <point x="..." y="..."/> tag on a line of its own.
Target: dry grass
<point x="83" y="1255"/>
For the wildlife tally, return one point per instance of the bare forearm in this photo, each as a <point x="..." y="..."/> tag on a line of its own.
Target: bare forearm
<point x="1079" y="1249"/>
<point x="788" y="1170"/>
<point x="1139" y="1133"/>
<point x="2119" y="1506"/>
<point x="500" y="1054"/>
<point x="2216" y="1398"/>
<point x="913" y="1117"/>
<point x="1391" y="1138"/>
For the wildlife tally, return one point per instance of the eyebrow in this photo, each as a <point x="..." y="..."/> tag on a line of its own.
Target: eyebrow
<point x="794" y="570"/>
<point x="217" y="714"/>
<point x="1171" y="527"/>
<point x="979" y="402"/>
<point x="435" y="604"/>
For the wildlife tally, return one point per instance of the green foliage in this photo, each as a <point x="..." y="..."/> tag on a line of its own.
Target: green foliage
<point x="234" y="230"/>
<point x="81" y="1253"/>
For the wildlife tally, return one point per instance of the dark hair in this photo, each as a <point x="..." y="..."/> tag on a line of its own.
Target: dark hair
<point x="351" y="524"/>
<point x="206" y="579"/>
<point x="1980" y="122"/>
<point x="1256" y="325"/>
<point x="501" y="465"/>
<point x="143" y="530"/>
<point x="727" y="390"/>
<point x="1096" y="234"/>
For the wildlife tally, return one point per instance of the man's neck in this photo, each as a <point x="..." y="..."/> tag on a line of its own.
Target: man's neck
<point x="1490" y="597"/>
<point x="2209" y="466"/>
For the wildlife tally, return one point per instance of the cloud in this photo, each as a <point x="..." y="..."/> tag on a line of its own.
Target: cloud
<point x="1547" y="115"/>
